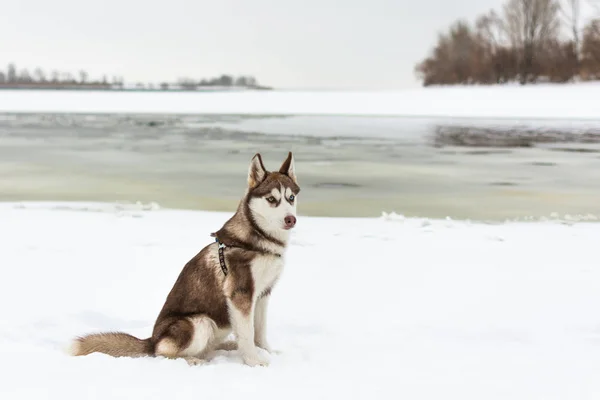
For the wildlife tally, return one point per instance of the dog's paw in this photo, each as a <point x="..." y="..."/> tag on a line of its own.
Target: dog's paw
<point x="193" y="361"/>
<point x="268" y="349"/>
<point x="255" y="360"/>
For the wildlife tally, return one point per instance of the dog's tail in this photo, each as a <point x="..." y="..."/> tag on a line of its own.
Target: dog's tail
<point x="114" y="344"/>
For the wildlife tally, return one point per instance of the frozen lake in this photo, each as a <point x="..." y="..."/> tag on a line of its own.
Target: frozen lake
<point x="348" y="165"/>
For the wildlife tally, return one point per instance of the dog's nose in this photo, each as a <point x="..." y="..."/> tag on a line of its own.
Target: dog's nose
<point x="290" y="221"/>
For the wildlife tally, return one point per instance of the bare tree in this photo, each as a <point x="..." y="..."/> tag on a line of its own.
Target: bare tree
<point x="225" y="80"/>
<point x="531" y="24"/>
<point x="24" y="76"/>
<point x="187" y="83"/>
<point x="464" y="52"/>
<point x="11" y="74"/>
<point x="571" y="11"/>
<point x="491" y="28"/>
<point x="458" y="58"/>
<point x="39" y="75"/>
<point x="590" y="50"/>
<point x="83" y="76"/>
<point x="498" y="62"/>
<point x="251" y="81"/>
<point x="241" y="81"/>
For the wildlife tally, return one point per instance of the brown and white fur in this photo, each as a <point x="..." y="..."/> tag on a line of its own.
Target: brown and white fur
<point x="205" y="305"/>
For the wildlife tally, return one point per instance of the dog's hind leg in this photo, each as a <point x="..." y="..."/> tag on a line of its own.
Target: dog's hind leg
<point x="229" y="345"/>
<point x="188" y="338"/>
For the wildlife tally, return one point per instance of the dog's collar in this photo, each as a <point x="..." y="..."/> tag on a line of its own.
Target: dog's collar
<point x="221" y="256"/>
<point x="223" y="246"/>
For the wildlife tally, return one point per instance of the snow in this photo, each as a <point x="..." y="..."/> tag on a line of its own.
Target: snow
<point x="382" y="308"/>
<point x="562" y="101"/>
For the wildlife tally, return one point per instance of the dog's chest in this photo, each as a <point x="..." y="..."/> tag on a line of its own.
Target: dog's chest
<point x="265" y="272"/>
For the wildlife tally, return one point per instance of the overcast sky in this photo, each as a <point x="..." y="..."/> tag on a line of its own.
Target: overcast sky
<point x="344" y="44"/>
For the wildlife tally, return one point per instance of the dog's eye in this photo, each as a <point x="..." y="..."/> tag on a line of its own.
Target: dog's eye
<point x="292" y="197"/>
<point x="271" y="199"/>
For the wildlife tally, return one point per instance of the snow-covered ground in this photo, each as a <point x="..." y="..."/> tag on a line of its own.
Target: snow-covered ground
<point x="511" y="101"/>
<point x="388" y="308"/>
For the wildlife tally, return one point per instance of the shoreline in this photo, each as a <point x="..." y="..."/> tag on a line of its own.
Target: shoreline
<point x="133" y="209"/>
<point x="567" y="101"/>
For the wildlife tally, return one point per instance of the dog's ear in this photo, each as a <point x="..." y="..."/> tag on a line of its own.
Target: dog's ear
<point x="287" y="168"/>
<point x="257" y="172"/>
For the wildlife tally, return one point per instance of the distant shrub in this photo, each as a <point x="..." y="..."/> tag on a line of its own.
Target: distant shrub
<point x="523" y="45"/>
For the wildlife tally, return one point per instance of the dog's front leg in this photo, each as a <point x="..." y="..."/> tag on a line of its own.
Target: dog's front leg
<point x="241" y="310"/>
<point x="260" y="323"/>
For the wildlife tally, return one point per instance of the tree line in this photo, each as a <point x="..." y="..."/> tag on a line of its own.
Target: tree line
<point x="23" y="77"/>
<point x="38" y="78"/>
<point x="528" y="41"/>
<point x="223" y="80"/>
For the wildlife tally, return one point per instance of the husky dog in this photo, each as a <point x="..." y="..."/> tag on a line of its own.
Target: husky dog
<point x="226" y="287"/>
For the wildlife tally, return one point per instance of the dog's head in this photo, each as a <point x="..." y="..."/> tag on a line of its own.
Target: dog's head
<point x="273" y="196"/>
